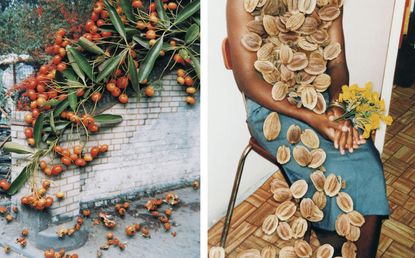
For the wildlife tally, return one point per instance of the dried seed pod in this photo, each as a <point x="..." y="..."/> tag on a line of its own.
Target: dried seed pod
<point x="265" y="52"/>
<point x="278" y="184"/>
<point x="321" y="105"/>
<point x="264" y="66"/>
<point x="288" y="37"/>
<point x="287" y="252"/>
<point x="318" y="179"/>
<point x="299" y="189"/>
<point x="309" y="97"/>
<point x="306" y="45"/>
<point x="270" y="224"/>
<point x="271" y="7"/>
<point x="273" y="77"/>
<point x="310" y="139"/>
<point x="302" y="249"/>
<point x="307" y="6"/>
<point x="283" y="155"/>
<point x="322" y="82"/>
<point x="318" y="157"/>
<point x="306" y="208"/>
<point x="286" y="74"/>
<point x="329" y="13"/>
<point x="286" y="54"/>
<point x="304" y="78"/>
<point x="349" y="250"/>
<point x="279" y="91"/>
<point x="284" y="231"/>
<point x="262" y="3"/>
<point x="302" y="155"/>
<point x="292" y="5"/>
<point x="317" y="214"/>
<point x="320" y="36"/>
<point x="280" y="25"/>
<point x="322" y="3"/>
<point x="251" y="41"/>
<point x="295" y="21"/>
<point x="250" y="253"/>
<point x="299" y="227"/>
<point x="282" y="195"/>
<point x="256" y="27"/>
<point x="356" y="219"/>
<point x="343" y="225"/>
<point x="293" y="134"/>
<point x="320" y="200"/>
<point x="270" y="25"/>
<point x="316" y="64"/>
<point x="275" y="40"/>
<point x="309" y="27"/>
<point x="217" y="252"/>
<point x="325" y="251"/>
<point x="250" y="5"/>
<point x="339" y="3"/>
<point x="298" y="62"/>
<point x="269" y="252"/>
<point x="332" y="51"/>
<point x="272" y="126"/>
<point x="354" y="234"/>
<point x="285" y="210"/>
<point x="332" y="185"/>
<point x="345" y="202"/>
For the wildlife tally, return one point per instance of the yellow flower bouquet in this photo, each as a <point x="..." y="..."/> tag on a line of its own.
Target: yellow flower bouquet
<point x="364" y="108"/>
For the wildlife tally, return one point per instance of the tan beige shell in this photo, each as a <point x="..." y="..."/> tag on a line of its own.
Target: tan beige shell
<point x="318" y="179"/>
<point x="356" y="218"/>
<point x="321" y="3"/>
<point x="279" y="91"/>
<point x="292" y="5"/>
<point x="332" y="51"/>
<point x="264" y="66"/>
<point x="287" y="252"/>
<point x="343" y="225"/>
<point x="295" y="21"/>
<point x="251" y="41"/>
<point x="265" y="52"/>
<point x="269" y="252"/>
<point x="250" y="5"/>
<point x="302" y="249"/>
<point x="318" y="157"/>
<point x="282" y="195"/>
<point x="299" y="227"/>
<point x="354" y="234"/>
<point x="270" y="224"/>
<point x="306" y="208"/>
<point x="306" y="45"/>
<point x="275" y="40"/>
<point x="262" y="3"/>
<point x="284" y="231"/>
<point x="332" y="185"/>
<point x="250" y="253"/>
<point x="285" y="210"/>
<point x="329" y="12"/>
<point x="309" y="97"/>
<point x="298" y="62"/>
<point x="325" y="251"/>
<point x="270" y="7"/>
<point x="310" y="139"/>
<point x="316" y="64"/>
<point x="286" y="74"/>
<point x="256" y="27"/>
<point x="272" y="126"/>
<point x="283" y="154"/>
<point x="339" y="3"/>
<point x="294" y="134"/>
<point x="321" y="105"/>
<point x="320" y="36"/>
<point x="270" y="25"/>
<point x="302" y="155"/>
<point x="322" y="82"/>
<point x="317" y="214"/>
<point x="273" y="77"/>
<point x="320" y="199"/>
<point x="288" y="37"/>
<point x="280" y="25"/>
<point x="304" y="78"/>
<point x="278" y="184"/>
<point x="349" y="250"/>
<point x="309" y="27"/>
<point x="217" y="252"/>
<point x="345" y="202"/>
<point x="307" y="6"/>
<point x="286" y="54"/>
<point x="299" y="188"/>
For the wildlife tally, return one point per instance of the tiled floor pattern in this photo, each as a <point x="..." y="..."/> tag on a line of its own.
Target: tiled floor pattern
<point x="398" y="232"/>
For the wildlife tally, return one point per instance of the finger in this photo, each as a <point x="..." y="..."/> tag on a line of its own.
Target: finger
<point x="337" y="136"/>
<point x="362" y="139"/>
<point x="342" y="143"/>
<point x="350" y="141"/>
<point x="330" y="115"/>
<point x="356" y="140"/>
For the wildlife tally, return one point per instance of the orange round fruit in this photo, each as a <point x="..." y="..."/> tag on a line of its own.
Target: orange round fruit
<point x="123" y="98"/>
<point x="149" y="91"/>
<point x="28" y="118"/>
<point x="191" y="90"/>
<point x="116" y="92"/>
<point x="103" y="148"/>
<point x="88" y="157"/>
<point x="94" y="151"/>
<point x="31" y="141"/>
<point x="80" y="162"/>
<point x="140" y="25"/>
<point x="61" y="67"/>
<point x="60" y="195"/>
<point x="49" y="202"/>
<point x="188" y="81"/>
<point x="190" y="100"/>
<point x="4" y="185"/>
<point x="56" y="170"/>
<point x="150" y="34"/>
<point x="43" y="164"/>
<point x="122" y="82"/>
<point x="180" y="80"/>
<point x="178" y="58"/>
<point x="28" y="132"/>
<point x="96" y="96"/>
<point x="172" y="6"/>
<point x="110" y="86"/>
<point x="137" y="4"/>
<point x="181" y="73"/>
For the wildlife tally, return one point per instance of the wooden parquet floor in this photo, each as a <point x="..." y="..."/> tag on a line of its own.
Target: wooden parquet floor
<point x="398" y="232"/>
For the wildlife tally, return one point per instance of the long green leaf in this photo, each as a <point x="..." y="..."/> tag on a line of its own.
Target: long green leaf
<point x="52" y="122"/>
<point x="37" y="131"/>
<point x="116" y="20"/>
<point x="59" y="126"/>
<point x="12" y="147"/>
<point x="195" y="62"/>
<point x="110" y="66"/>
<point x="127" y="7"/>
<point x="73" y="99"/>
<point x="107" y="119"/>
<point x="144" y="43"/>
<point x="192" y="33"/>
<point x="19" y="182"/>
<point x="68" y="74"/>
<point x="133" y="74"/>
<point x="51" y="102"/>
<point x="90" y="46"/>
<point x="147" y="65"/>
<point x="61" y="107"/>
<point x="82" y="62"/>
<point x="162" y="13"/>
<point x="187" y="12"/>
<point x="74" y="64"/>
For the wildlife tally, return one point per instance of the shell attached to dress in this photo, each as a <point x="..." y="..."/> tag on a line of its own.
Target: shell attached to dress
<point x="356" y="218"/>
<point x="310" y="139"/>
<point x="250" y="5"/>
<point x="251" y="41"/>
<point x="349" y="250"/>
<point x="320" y="199"/>
<point x="354" y="234"/>
<point x="270" y="25"/>
<point x="217" y="252"/>
<point x="345" y="202"/>
<point x="285" y="210"/>
<point x="283" y="154"/>
<point x="332" y="51"/>
<point x="325" y="251"/>
<point x="329" y="12"/>
<point x="332" y="185"/>
<point x="302" y="248"/>
<point x="318" y="179"/>
<point x="298" y="62"/>
<point x="279" y="91"/>
<point x="322" y="82"/>
<point x="318" y="157"/>
<point x="277" y="184"/>
<point x="286" y="54"/>
<point x="294" y="134"/>
<point x="321" y="105"/>
<point x="272" y="126"/>
<point x="282" y="194"/>
<point x="343" y="225"/>
<point x="270" y="224"/>
<point x="284" y="231"/>
<point x="302" y="155"/>
<point x="299" y="189"/>
<point x="269" y="252"/>
<point x="309" y="97"/>
<point x="287" y="252"/>
<point x="250" y="253"/>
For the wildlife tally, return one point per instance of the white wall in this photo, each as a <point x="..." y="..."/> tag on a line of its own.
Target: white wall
<point x="366" y="25"/>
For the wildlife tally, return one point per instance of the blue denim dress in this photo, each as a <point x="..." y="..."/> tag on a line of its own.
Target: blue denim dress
<point x="362" y="170"/>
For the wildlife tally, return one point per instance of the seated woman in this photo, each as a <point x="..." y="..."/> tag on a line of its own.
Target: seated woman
<point x="349" y="156"/>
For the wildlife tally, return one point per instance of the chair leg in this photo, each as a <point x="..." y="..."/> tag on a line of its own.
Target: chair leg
<point x="234" y="194"/>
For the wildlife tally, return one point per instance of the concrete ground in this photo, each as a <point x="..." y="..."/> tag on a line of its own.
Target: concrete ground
<point x="185" y="222"/>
